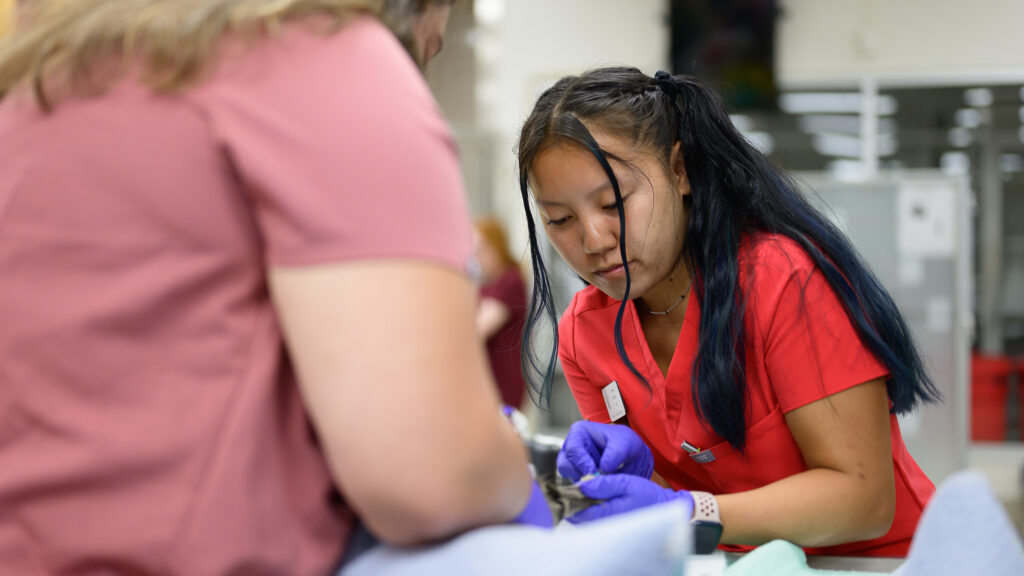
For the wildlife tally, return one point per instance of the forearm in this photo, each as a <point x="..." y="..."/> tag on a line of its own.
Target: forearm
<point x="819" y="507"/>
<point x="492" y="475"/>
<point x="460" y="466"/>
<point x="478" y="479"/>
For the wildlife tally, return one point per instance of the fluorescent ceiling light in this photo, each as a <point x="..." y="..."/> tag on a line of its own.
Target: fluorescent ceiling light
<point x="832" y="102"/>
<point x="978" y="97"/>
<point x="742" y="122"/>
<point x="843" y="145"/>
<point x="1011" y="163"/>
<point x="840" y="124"/>
<point x="762" y="141"/>
<point x="955" y="163"/>
<point x="845" y="170"/>
<point x="960" y="137"/>
<point x="968" y="117"/>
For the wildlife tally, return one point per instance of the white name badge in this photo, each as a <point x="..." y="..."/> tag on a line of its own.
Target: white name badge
<point x="613" y="401"/>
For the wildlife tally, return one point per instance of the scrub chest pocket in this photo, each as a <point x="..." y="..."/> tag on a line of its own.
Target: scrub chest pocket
<point x="771" y="454"/>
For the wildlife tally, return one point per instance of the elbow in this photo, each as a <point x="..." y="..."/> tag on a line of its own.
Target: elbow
<point x="441" y="512"/>
<point x="412" y="521"/>
<point x="880" y="520"/>
<point x="467" y="493"/>
<point x="878" y="516"/>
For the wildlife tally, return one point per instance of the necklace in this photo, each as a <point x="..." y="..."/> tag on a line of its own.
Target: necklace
<point x="673" y="307"/>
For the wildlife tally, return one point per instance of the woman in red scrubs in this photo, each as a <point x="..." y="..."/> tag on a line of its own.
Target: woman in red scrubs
<point x="757" y="364"/>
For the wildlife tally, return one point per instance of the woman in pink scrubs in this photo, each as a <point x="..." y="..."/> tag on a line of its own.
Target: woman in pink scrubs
<point x="755" y="364"/>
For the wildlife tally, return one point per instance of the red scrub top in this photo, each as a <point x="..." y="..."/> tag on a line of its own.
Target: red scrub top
<point x="799" y="349"/>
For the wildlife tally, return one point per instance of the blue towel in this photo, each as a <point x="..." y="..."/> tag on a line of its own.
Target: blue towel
<point x="964" y="530"/>
<point x="652" y="541"/>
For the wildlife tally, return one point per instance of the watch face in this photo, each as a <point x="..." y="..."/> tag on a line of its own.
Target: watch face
<point x="706" y="535"/>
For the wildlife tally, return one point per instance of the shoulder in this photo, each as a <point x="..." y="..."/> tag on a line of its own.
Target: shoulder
<point x="362" y="41"/>
<point x="774" y="252"/>
<point x="772" y="268"/>
<point x="343" y="150"/>
<point x="305" y="66"/>
<point x="770" y="261"/>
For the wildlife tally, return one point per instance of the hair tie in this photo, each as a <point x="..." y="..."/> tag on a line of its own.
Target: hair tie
<point x="667" y="83"/>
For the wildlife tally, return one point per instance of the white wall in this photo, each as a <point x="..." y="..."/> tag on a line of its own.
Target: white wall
<point x="536" y="42"/>
<point x="452" y="79"/>
<point x="899" y="42"/>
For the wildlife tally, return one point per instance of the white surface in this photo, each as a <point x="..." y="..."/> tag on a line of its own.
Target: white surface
<point x="927" y="219"/>
<point x="706" y="565"/>
<point x="911" y="272"/>
<point x="1002" y="463"/>
<point x="939" y="315"/>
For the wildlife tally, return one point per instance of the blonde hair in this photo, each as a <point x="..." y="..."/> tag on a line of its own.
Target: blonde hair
<point x="6" y="16"/>
<point x="175" y="40"/>
<point x="492" y="232"/>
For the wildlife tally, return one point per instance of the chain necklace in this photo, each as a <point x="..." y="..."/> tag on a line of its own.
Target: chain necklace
<point x="672" y="307"/>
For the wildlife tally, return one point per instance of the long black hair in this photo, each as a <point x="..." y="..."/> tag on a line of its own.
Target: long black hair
<point x="735" y="192"/>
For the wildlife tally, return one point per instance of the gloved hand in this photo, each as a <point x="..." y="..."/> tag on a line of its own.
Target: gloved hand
<point x="621" y="493"/>
<point x="592" y="447"/>
<point x="537" y="512"/>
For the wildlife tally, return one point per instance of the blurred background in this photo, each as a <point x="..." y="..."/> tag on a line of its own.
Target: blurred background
<point x="904" y="118"/>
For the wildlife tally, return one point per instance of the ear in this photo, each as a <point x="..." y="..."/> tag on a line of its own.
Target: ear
<point x="675" y="160"/>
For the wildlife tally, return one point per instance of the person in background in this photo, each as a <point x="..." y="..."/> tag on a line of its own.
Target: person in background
<point x="231" y="232"/>
<point x="755" y="364"/>
<point x="502" y="309"/>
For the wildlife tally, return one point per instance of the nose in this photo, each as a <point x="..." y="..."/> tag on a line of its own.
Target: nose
<point x="600" y="234"/>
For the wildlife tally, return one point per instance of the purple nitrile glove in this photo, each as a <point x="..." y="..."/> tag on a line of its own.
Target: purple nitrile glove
<point x="592" y="448"/>
<point x="622" y="493"/>
<point x="537" y="512"/>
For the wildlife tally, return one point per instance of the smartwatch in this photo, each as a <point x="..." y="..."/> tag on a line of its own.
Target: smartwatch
<point x="707" y="523"/>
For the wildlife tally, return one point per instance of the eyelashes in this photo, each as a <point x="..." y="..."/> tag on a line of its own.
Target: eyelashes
<point x="607" y="207"/>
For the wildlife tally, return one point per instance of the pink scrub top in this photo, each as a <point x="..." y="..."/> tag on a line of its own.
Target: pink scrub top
<point x="150" y="421"/>
<point x="801" y="347"/>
